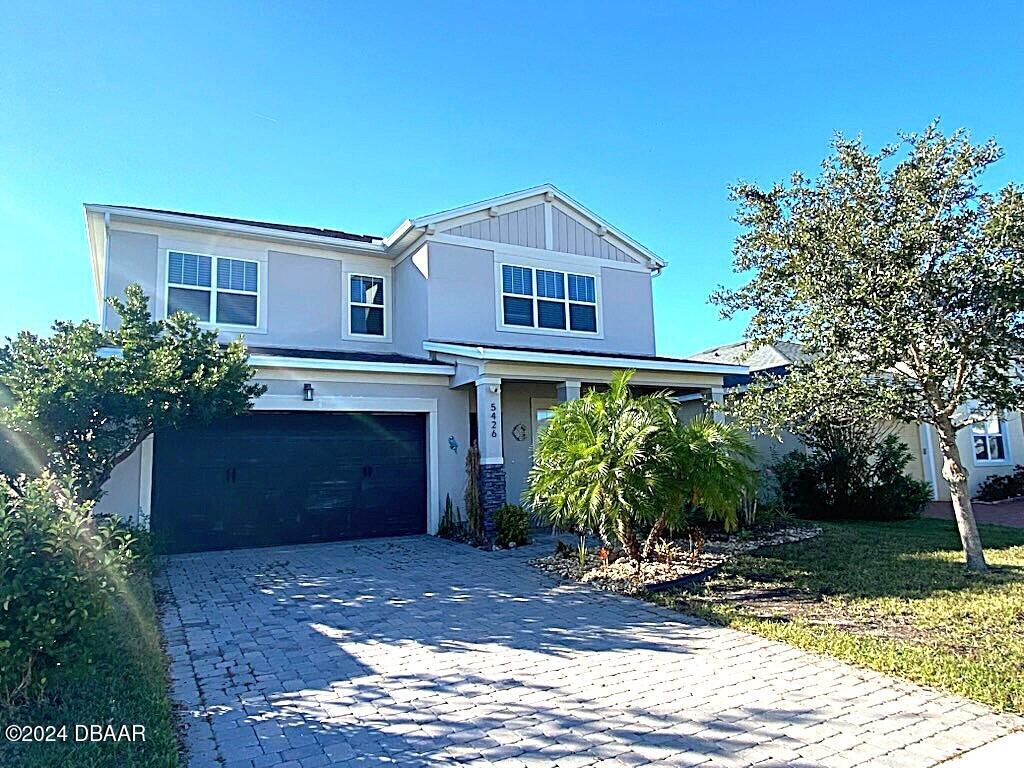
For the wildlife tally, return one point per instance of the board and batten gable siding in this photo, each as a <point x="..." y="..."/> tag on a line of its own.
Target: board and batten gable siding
<point x="570" y="235"/>
<point x="521" y="227"/>
<point x="525" y="227"/>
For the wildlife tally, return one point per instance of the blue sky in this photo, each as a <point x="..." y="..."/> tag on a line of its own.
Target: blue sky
<point x="356" y="116"/>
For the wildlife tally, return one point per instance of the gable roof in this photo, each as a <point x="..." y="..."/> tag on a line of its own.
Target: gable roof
<point x="781" y="354"/>
<point x="201" y="217"/>
<point x="549" y="192"/>
<point x="392" y="245"/>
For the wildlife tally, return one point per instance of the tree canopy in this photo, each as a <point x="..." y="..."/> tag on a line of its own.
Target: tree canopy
<point x="88" y="399"/>
<point x="902" y="278"/>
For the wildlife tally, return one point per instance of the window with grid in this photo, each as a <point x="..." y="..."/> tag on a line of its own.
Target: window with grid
<point x="543" y="298"/>
<point x="989" y="439"/>
<point x="232" y="300"/>
<point x="366" y="305"/>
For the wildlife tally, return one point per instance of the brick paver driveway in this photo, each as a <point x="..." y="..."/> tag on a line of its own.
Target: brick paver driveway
<point x="417" y="651"/>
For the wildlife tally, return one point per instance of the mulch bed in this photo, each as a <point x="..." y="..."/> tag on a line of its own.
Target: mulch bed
<point x="621" y="575"/>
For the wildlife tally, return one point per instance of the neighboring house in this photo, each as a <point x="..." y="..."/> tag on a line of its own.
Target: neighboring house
<point x="383" y="358"/>
<point x="987" y="449"/>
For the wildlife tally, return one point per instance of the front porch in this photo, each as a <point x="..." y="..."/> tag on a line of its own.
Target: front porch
<point x="512" y="392"/>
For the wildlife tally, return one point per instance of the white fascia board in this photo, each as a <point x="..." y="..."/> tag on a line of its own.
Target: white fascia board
<point x="399" y="233"/>
<point x="96" y="235"/>
<point x="266" y="233"/>
<point x="512" y="197"/>
<point x="315" y="364"/>
<point x="560" y="358"/>
<point x="481" y="205"/>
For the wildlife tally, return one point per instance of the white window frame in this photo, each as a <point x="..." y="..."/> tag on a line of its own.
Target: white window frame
<point x="384" y="307"/>
<point x="213" y="289"/>
<point x="1003" y="435"/>
<point x="564" y="271"/>
<point x="538" y="404"/>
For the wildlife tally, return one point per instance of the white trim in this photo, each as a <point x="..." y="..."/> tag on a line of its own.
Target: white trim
<point x="213" y="290"/>
<point x="619" y="243"/>
<point x="499" y="304"/>
<point x="1004" y="435"/>
<point x="549" y="228"/>
<point x="343" y="403"/>
<point x="539" y="404"/>
<point x="104" y="307"/>
<point x="375" y="378"/>
<point x="381" y="246"/>
<point x="924" y="436"/>
<point x="145" y="483"/>
<point x="689" y="398"/>
<point x="545" y="255"/>
<point x="314" y="364"/>
<point x="561" y="358"/>
<point x="545" y="190"/>
<point x="264" y="232"/>
<point x="385" y="307"/>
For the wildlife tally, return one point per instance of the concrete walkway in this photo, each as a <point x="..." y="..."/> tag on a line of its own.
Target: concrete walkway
<point x="1009" y="513"/>
<point x="419" y="652"/>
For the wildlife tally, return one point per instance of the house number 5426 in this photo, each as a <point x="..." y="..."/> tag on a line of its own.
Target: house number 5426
<point x="494" y="420"/>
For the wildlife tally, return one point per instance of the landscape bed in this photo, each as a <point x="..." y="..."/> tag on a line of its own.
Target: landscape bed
<point x="622" y="575"/>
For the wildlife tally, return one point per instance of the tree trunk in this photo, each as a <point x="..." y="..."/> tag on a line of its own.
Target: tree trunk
<point x="93" y="490"/>
<point x="657" y="532"/>
<point x="627" y="537"/>
<point x="955" y="474"/>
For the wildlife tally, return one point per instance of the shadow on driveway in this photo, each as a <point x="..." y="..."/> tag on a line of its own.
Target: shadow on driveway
<point x="417" y="651"/>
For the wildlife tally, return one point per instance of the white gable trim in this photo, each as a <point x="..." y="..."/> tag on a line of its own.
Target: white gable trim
<point x="547" y="193"/>
<point x="267" y="233"/>
<point x="537" y="254"/>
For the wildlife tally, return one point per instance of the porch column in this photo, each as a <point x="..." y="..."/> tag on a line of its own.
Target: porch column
<point x="492" y="461"/>
<point x="568" y="390"/>
<point x="717" y="395"/>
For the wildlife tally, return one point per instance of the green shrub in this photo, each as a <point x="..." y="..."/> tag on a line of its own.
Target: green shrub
<point x="855" y="480"/>
<point x="59" y="568"/>
<point x="452" y="526"/>
<point x="512" y="524"/>
<point x="999" y="487"/>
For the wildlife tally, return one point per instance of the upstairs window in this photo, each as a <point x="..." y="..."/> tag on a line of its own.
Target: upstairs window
<point x="366" y="305"/>
<point x="989" y="439"/>
<point x="234" y="300"/>
<point x="188" y="284"/>
<point x="548" y="300"/>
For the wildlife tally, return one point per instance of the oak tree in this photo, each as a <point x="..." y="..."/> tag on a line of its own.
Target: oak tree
<point x="904" y="281"/>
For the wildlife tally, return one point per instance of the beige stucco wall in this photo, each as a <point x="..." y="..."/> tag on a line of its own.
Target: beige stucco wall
<point x="516" y="409"/>
<point x="978" y="472"/>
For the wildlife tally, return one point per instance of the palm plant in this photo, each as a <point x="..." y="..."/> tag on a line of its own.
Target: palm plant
<point x="711" y="470"/>
<point x="599" y="465"/>
<point x="612" y="461"/>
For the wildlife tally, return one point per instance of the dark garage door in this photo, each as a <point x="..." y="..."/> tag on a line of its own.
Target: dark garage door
<point x="284" y="478"/>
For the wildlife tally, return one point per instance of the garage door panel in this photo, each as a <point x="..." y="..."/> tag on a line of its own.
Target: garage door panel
<point x="266" y="479"/>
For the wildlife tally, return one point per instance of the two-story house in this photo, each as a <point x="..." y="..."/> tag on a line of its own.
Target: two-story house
<point x="383" y="358"/>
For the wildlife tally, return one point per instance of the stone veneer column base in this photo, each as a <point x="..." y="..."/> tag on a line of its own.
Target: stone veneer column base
<point x="492" y="496"/>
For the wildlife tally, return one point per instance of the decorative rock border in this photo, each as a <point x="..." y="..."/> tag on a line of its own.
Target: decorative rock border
<point x="620" y="576"/>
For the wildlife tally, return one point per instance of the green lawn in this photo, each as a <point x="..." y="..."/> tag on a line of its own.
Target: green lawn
<point x="123" y="684"/>
<point x="894" y="597"/>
